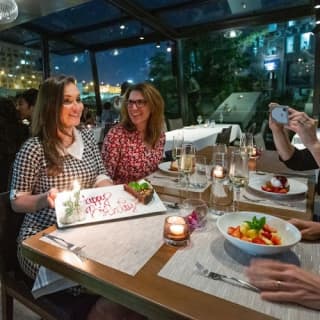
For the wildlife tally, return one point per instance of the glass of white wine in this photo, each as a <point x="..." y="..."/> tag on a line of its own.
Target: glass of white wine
<point x="239" y="172"/>
<point x="186" y="162"/>
<point x="246" y="143"/>
<point x="177" y="143"/>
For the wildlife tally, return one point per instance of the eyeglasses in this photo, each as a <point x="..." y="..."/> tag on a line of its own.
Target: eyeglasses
<point x="139" y="103"/>
<point x="69" y="103"/>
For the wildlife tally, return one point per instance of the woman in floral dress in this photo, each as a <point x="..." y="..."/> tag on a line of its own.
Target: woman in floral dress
<point x="134" y="148"/>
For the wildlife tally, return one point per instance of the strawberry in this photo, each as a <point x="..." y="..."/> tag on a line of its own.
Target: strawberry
<point x="258" y="240"/>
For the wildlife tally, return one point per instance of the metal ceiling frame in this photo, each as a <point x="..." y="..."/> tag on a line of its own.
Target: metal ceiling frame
<point x="162" y="32"/>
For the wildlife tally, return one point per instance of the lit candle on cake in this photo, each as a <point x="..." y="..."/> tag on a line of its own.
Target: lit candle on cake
<point x="176" y="231"/>
<point x="218" y="172"/>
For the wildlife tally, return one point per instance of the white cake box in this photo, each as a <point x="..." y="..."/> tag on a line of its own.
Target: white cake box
<point x="101" y="204"/>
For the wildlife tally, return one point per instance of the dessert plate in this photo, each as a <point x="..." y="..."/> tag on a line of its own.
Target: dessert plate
<point x="100" y="205"/>
<point x="297" y="188"/>
<point x="165" y="167"/>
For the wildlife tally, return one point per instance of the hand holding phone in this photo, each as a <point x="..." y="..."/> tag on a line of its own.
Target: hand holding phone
<point x="280" y="114"/>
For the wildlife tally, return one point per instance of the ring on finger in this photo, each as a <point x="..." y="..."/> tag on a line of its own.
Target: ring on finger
<point x="278" y="284"/>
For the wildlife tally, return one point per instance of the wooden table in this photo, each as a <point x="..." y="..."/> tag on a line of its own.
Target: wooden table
<point x="146" y="292"/>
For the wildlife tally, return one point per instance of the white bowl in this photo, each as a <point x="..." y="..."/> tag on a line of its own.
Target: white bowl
<point x="289" y="234"/>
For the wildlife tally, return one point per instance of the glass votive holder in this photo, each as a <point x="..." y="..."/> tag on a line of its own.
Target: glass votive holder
<point x="176" y="231"/>
<point x="195" y="211"/>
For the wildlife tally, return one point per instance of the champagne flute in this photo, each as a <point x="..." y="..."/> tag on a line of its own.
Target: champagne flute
<point x="187" y="161"/>
<point x="177" y="143"/>
<point x="246" y="143"/>
<point x="238" y="172"/>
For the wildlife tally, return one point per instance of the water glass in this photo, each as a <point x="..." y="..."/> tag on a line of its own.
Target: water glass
<point x="239" y="172"/>
<point x="198" y="178"/>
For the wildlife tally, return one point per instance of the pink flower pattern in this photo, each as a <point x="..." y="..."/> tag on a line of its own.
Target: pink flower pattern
<point x="127" y="158"/>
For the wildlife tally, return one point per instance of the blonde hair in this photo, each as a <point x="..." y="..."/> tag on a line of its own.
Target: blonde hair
<point x="156" y="105"/>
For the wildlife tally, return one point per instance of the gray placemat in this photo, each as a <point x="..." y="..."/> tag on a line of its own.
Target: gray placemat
<point x="214" y="252"/>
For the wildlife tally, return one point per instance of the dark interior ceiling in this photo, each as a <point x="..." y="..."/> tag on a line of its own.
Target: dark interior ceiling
<point x="78" y="25"/>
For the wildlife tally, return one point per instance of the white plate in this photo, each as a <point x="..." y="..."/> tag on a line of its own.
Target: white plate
<point x="297" y="188"/>
<point x="289" y="234"/>
<point x="104" y="204"/>
<point x="165" y="166"/>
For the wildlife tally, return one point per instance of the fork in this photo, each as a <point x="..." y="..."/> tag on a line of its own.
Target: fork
<point x="253" y="200"/>
<point x="64" y="243"/>
<point x="228" y="279"/>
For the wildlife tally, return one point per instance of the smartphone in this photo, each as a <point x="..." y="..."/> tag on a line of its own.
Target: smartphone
<point x="280" y="114"/>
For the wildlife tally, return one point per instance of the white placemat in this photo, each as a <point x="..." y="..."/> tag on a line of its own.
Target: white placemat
<point x="215" y="253"/>
<point x="123" y="245"/>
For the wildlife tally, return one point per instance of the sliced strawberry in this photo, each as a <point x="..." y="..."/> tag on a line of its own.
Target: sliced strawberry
<point x="236" y="232"/>
<point x="276" y="240"/>
<point x="266" y="234"/>
<point x="268" y="228"/>
<point x="258" y="240"/>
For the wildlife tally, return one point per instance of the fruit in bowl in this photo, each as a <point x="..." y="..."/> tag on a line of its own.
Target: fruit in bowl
<point x="256" y="231"/>
<point x="277" y="184"/>
<point x="288" y="233"/>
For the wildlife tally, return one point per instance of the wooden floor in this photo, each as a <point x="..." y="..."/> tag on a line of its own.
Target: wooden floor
<point x="20" y="312"/>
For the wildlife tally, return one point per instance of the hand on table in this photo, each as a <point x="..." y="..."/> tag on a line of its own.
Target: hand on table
<point x="281" y="282"/>
<point x="310" y="230"/>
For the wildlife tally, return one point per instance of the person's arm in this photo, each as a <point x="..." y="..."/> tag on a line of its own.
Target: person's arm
<point x="280" y="138"/>
<point x="310" y="230"/>
<point x="282" y="282"/>
<point x="32" y="203"/>
<point x="111" y="150"/>
<point x="306" y="128"/>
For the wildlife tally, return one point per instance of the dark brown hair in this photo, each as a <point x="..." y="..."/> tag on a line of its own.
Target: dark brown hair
<point x="46" y="120"/>
<point x="156" y="105"/>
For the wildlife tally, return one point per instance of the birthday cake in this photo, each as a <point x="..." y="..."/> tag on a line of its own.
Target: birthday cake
<point x="99" y="204"/>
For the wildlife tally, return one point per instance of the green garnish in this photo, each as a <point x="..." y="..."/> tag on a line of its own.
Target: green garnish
<point x="256" y="223"/>
<point x="72" y="205"/>
<point x="138" y="186"/>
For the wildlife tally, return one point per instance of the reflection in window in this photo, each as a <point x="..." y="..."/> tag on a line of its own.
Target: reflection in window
<point x="305" y="41"/>
<point x="290" y="44"/>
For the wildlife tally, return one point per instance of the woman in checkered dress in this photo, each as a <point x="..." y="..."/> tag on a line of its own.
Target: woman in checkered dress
<point x="55" y="156"/>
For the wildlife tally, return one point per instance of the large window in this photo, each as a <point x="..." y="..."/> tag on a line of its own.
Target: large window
<point x="275" y="61"/>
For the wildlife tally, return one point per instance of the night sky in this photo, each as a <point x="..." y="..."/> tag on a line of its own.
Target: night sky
<point x="130" y="64"/>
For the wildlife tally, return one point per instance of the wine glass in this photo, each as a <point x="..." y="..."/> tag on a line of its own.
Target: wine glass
<point x="238" y="172"/>
<point x="187" y="161"/>
<point x="199" y="119"/>
<point x="246" y="143"/>
<point x="177" y="143"/>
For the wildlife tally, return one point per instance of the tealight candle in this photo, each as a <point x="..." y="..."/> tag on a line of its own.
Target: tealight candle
<point x="218" y="172"/>
<point x="176" y="231"/>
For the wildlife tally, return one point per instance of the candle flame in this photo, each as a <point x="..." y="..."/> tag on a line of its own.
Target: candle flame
<point x="76" y="185"/>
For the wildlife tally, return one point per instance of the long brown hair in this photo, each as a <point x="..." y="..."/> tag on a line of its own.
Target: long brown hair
<point x="46" y="120"/>
<point x="156" y="105"/>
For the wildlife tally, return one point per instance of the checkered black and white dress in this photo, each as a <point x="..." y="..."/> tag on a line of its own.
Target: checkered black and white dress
<point x="30" y="175"/>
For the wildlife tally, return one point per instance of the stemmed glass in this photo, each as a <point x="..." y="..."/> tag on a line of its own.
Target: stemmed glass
<point x="199" y="119"/>
<point x="238" y="172"/>
<point x="246" y="143"/>
<point x="177" y="143"/>
<point x="187" y="161"/>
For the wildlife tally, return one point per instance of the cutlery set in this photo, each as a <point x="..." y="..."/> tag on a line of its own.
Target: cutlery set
<point x="231" y="280"/>
<point x="65" y="244"/>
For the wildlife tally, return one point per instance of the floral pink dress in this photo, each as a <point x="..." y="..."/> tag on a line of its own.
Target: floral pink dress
<point x="127" y="158"/>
